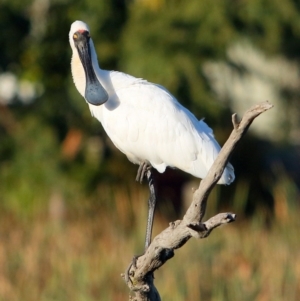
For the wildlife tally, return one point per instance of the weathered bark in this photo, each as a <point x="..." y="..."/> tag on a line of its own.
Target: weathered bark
<point x="139" y="276"/>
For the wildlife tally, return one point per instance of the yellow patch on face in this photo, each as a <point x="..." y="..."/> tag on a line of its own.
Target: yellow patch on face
<point x="75" y="36"/>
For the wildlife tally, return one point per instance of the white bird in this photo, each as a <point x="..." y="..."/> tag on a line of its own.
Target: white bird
<point x="143" y="120"/>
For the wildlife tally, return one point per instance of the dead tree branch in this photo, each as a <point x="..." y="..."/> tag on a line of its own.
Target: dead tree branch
<point x="162" y="248"/>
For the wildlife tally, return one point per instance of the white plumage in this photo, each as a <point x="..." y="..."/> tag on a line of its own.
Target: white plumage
<point x="143" y="120"/>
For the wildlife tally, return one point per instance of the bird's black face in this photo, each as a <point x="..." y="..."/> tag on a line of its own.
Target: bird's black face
<point x="95" y="94"/>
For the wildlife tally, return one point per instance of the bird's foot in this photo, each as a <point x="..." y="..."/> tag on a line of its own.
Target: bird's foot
<point x="143" y="168"/>
<point x="129" y="272"/>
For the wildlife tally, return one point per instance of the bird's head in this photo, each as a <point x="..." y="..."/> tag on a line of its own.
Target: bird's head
<point x="83" y="47"/>
<point x="78" y="28"/>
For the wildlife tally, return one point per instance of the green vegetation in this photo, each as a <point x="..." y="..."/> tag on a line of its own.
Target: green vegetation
<point x="69" y="206"/>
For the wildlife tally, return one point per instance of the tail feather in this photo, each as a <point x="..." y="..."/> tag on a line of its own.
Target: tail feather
<point x="210" y="150"/>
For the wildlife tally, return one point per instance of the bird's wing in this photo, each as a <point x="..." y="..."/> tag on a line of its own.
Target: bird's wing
<point x="148" y="124"/>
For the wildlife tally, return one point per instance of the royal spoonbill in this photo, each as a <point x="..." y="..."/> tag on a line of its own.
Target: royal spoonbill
<point x="143" y="120"/>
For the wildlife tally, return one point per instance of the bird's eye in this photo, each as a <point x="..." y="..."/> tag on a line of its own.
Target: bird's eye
<point x="75" y="36"/>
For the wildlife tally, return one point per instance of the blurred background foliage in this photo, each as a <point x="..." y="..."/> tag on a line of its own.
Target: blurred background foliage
<point x="68" y="198"/>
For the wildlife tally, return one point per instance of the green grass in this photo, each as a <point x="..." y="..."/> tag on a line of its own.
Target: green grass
<point x="78" y="254"/>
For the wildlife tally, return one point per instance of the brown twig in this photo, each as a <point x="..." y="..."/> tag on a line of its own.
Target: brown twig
<point x="162" y="248"/>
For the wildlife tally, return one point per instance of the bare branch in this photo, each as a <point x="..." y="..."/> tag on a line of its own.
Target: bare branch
<point x="202" y="230"/>
<point x="240" y="128"/>
<point x="140" y="275"/>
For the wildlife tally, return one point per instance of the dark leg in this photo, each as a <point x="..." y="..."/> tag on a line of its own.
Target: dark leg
<point x="151" y="207"/>
<point x="144" y="170"/>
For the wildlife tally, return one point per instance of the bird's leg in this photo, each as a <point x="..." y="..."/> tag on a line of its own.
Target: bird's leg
<point x="144" y="169"/>
<point x="151" y="207"/>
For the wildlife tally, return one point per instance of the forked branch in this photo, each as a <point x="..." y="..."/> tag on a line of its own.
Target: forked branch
<point x="162" y="248"/>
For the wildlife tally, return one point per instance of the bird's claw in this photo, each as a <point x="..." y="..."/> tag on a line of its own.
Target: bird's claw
<point x="128" y="273"/>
